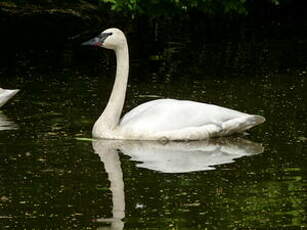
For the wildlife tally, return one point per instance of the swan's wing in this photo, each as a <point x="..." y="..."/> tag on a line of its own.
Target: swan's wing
<point x="170" y="114"/>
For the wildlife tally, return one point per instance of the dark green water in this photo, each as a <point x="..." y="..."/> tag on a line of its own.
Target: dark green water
<point x="51" y="177"/>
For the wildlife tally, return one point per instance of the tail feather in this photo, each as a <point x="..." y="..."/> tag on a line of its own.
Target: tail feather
<point x="241" y="124"/>
<point x="7" y="94"/>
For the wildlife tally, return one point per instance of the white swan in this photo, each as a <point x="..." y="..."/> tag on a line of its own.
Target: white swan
<point x="6" y="94"/>
<point x="167" y="119"/>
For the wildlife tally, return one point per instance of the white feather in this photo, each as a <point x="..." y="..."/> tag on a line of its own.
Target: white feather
<point x="6" y="94"/>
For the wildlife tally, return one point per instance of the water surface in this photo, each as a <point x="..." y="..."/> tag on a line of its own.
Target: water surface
<point x="52" y="177"/>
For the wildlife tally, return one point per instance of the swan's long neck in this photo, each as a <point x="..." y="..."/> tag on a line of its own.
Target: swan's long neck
<point x="114" y="108"/>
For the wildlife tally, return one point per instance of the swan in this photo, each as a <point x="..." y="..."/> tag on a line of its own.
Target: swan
<point x="6" y="94"/>
<point x="161" y="119"/>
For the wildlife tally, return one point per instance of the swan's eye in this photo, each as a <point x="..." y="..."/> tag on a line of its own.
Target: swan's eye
<point x="103" y="36"/>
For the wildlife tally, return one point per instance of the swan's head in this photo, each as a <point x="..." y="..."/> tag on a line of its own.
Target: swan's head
<point x="112" y="38"/>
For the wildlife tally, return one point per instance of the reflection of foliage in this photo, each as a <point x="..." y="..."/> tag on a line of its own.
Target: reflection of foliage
<point x="154" y="7"/>
<point x="269" y="203"/>
<point x="47" y="191"/>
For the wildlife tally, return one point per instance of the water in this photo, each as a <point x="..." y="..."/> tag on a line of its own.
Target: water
<point x="52" y="176"/>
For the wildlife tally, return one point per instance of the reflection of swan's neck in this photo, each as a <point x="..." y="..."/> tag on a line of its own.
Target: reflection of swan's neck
<point x="115" y="105"/>
<point x="109" y="156"/>
<point x="114" y="170"/>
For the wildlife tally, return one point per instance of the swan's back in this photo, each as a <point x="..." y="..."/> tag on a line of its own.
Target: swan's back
<point x="169" y="114"/>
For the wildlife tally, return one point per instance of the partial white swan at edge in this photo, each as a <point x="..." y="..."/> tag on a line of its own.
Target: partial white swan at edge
<point x="166" y="119"/>
<point x="6" y="94"/>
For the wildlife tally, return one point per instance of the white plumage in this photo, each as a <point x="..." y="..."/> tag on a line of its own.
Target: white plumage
<point x="6" y="94"/>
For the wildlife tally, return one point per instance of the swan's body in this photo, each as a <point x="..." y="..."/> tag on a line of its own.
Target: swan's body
<point x="167" y="119"/>
<point x="6" y="94"/>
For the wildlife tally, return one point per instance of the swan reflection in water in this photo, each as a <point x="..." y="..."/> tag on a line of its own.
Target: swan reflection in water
<point x="5" y="123"/>
<point x="170" y="157"/>
<point x="109" y="156"/>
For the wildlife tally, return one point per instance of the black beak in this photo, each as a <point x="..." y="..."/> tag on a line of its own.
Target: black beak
<point x="92" y="42"/>
<point x="97" y="41"/>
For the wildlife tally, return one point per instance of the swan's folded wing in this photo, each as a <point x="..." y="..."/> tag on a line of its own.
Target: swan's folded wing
<point x="169" y="114"/>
